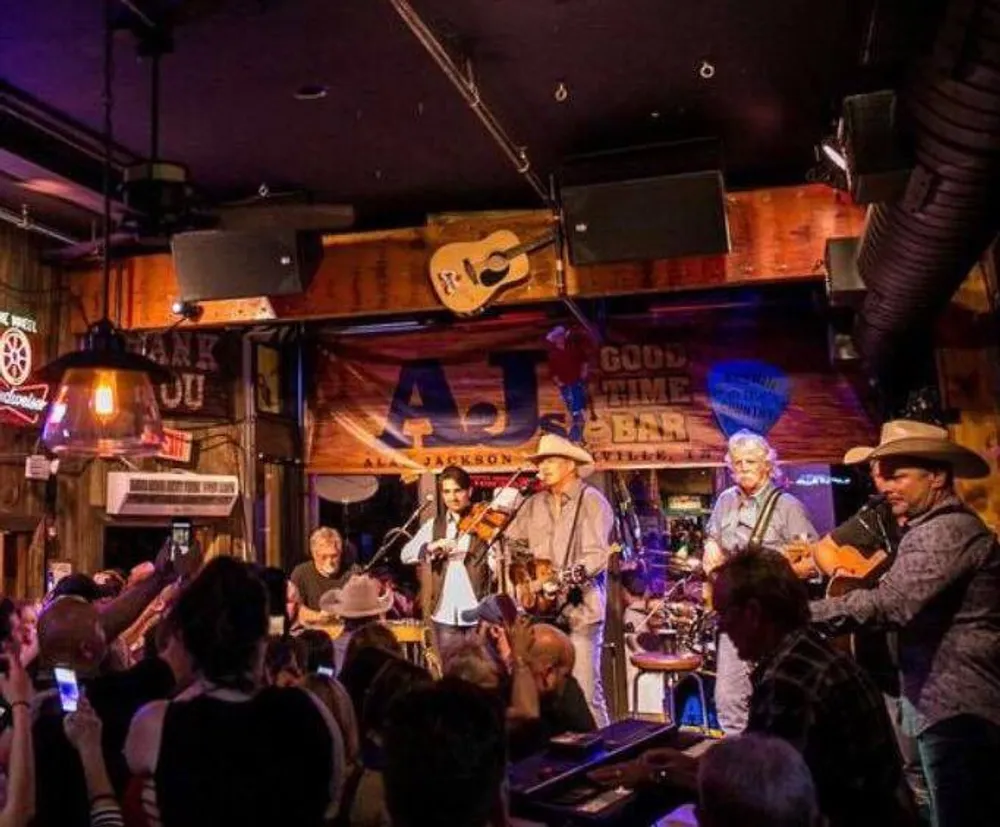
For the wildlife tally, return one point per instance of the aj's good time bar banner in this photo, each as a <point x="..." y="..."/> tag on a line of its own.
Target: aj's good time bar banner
<point x="649" y="393"/>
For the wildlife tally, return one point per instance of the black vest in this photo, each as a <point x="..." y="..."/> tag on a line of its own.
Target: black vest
<point x="432" y="578"/>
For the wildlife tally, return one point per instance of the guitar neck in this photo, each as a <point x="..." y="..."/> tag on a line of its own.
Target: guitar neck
<point x="530" y="246"/>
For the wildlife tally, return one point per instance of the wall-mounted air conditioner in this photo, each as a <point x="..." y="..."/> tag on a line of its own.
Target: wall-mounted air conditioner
<point x="169" y="495"/>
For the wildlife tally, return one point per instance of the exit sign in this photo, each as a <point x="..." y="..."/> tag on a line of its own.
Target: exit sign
<point x="176" y="446"/>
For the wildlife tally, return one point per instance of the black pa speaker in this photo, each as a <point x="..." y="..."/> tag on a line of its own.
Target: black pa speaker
<point x="669" y="216"/>
<point x="233" y="264"/>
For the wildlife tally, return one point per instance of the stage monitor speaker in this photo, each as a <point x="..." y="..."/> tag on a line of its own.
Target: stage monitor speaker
<point x="844" y="286"/>
<point x="233" y="264"/>
<point x="639" y="219"/>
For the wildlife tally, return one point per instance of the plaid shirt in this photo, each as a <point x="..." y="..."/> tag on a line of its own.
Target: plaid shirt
<point x="821" y="702"/>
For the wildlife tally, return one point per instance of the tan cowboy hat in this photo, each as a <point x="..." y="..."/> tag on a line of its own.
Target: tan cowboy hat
<point x="359" y="597"/>
<point x="553" y="445"/>
<point x="909" y="438"/>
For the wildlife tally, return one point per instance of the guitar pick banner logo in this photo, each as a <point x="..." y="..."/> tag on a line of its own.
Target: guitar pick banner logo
<point x="20" y="403"/>
<point x="747" y="394"/>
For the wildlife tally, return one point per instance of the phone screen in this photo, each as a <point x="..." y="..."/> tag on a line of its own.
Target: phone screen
<point x="180" y="537"/>
<point x="327" y="671"/>
<point x="69" y="691"/>
<point x="276" y="625"/>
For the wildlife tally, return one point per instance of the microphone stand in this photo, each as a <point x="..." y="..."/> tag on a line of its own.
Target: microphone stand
<point x="391" y="536"/>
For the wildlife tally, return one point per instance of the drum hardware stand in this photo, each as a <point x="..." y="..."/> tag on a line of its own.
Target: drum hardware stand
<point x="680" y="584"/>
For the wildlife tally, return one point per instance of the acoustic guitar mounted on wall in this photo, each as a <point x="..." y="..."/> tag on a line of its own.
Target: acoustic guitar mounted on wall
<point x="468" y="276"/>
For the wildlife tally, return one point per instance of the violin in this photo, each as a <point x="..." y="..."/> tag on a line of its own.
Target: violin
<point x="484" y="521"/>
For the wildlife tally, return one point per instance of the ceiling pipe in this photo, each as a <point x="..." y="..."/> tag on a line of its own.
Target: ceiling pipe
<point x="22" y="222"/>
<point x="466" y="85"/>
<point x="916" y="251"/>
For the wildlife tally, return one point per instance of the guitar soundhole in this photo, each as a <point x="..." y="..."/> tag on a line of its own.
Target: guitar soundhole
<point x="495" y="270"/>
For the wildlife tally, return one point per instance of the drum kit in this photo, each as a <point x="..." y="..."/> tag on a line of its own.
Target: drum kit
<point x="679" y="622"/>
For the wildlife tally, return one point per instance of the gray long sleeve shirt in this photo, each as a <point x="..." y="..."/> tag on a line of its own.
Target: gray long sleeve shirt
<point x="943" y="594"/>
<point x="550" y="534"/>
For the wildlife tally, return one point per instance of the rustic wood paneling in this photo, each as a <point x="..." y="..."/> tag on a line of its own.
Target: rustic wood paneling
<point x="776" y="234"/>
<point x="969" y="369"/>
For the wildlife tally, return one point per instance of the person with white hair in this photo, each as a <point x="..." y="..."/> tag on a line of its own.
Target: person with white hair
<point x="752" y="514"/>
<point x="328" y="569"/>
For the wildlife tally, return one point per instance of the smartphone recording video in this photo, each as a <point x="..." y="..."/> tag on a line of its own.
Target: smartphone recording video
<point x="326" y="671"/>
<point x="69" y="691"/>
<point x="180" y="537"/>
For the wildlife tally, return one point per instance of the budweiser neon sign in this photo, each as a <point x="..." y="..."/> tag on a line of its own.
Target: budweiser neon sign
<point x="21" y="401"/>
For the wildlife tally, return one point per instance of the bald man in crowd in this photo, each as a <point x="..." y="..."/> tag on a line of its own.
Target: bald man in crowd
<point x="71" y="635"/>
<point x="562" y="705"/>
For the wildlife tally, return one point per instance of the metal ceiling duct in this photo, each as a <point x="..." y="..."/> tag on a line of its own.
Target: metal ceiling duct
<point x="916" y="251"/>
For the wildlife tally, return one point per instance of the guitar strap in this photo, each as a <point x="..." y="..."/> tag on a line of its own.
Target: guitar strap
<point x="756" y="541"/>
<point x="571" y="545"/>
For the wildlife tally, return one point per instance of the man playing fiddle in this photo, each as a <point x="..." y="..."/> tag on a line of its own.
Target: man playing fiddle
<point x="754" y="512"/>
<point x="447" y="590"/>
<point x="569" y="524"/>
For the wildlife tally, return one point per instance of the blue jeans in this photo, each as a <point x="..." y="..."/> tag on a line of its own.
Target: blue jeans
<point x="575" y="398"/>
<point x="732" y="688"/>
<point x="961" y="758"/>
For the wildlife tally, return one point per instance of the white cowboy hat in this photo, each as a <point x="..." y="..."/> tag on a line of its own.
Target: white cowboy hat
<point x="553" y="445"/>
<point x="909" y="438"/>
<point x="359" y="597"/>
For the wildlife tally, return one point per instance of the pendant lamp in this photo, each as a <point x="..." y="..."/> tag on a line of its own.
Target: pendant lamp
<point x="105" y="405"/>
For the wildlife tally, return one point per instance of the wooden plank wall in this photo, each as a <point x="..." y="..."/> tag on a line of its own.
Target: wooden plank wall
<point x="776" y="234"/>
<point x="969" y="369"/>
<point x="28" y="287"/>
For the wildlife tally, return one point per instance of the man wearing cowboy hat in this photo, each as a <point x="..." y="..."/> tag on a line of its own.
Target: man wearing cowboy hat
<point x="942" y="592"/>
<point x="570" y="523"/>
<point x="359" y="602"/>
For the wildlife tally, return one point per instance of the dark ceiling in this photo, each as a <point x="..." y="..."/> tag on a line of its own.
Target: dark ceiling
<point x="393" y="137"/>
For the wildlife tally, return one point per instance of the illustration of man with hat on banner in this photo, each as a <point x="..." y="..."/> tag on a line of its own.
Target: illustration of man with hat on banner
<point x="569" y="523"/>
<point x="570" y="352"/>
<point x="942" y="594"/>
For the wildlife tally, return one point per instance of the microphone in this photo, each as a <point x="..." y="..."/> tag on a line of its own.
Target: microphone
<point x="392" y="534"/>
<point x="874" y="501"/>
<point x="426" y="501"/>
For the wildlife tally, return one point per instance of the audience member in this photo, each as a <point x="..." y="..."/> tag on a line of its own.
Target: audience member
<point x="756" y="781"/>
<point x="83" y="730"/>
<point x="561" y="704"/>
<point x="318" y="650"/>
<point x="225" y="751"/>
<point x="364" y="798"/>
<point x="71" y="635"/>
<point x="16" y="689"/>
<point x="445" y="758"/>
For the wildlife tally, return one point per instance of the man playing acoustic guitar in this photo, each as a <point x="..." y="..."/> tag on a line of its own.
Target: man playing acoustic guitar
<point x="753" y="513"/>
<point x="942" y="594"/>
<point x="569" y="524"/>
<point x="856" y="554"/>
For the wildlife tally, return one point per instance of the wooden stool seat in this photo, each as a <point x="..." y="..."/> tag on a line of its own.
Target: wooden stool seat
<point x="663" y="662"/>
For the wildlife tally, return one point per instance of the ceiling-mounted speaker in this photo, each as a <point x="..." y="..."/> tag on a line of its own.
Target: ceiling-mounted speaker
<point x="664" y="201"/>
<point x="233" y="264"/>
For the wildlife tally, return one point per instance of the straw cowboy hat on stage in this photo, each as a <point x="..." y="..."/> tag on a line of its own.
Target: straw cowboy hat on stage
<point x="908" y="438"/>
<point x="552" y="445"/>
<point x="359" y="597"/>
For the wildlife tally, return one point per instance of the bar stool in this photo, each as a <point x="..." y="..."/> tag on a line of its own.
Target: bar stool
<point x="674" y="668"/>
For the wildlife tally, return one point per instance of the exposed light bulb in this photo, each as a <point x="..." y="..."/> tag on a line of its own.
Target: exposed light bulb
<point x="105" y="404"/>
